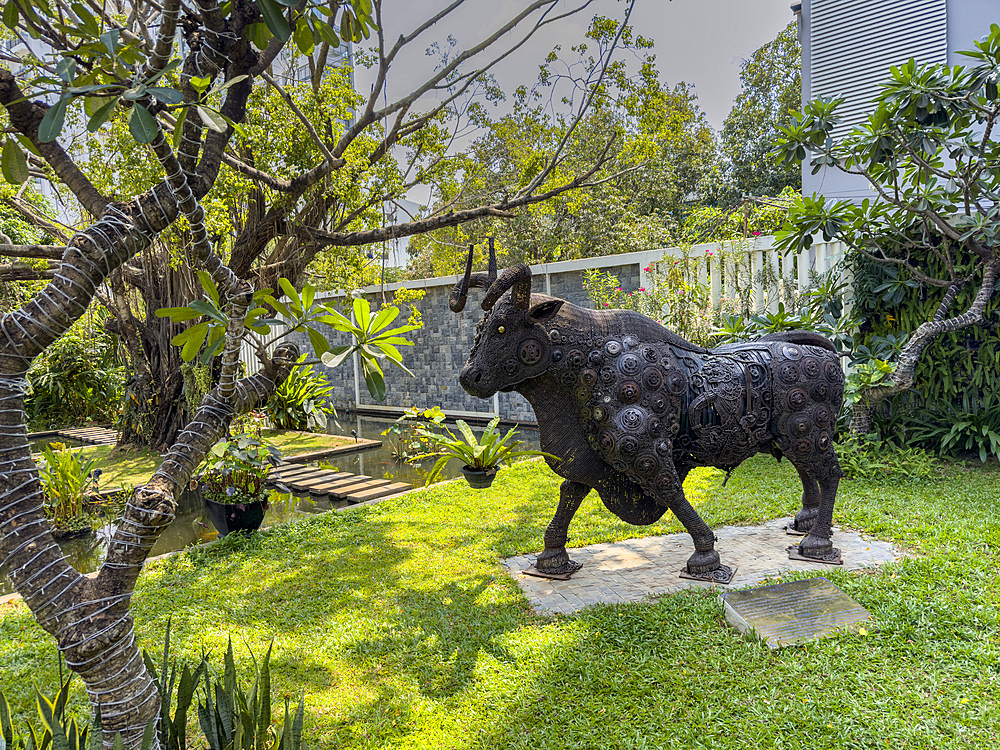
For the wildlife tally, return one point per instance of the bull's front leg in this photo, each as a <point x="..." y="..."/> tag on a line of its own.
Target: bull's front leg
<point x="554" y="560"/>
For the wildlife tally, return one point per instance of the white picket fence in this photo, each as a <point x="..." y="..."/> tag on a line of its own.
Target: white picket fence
<point x="752" y="269"/>
<point x="756" y="269"/>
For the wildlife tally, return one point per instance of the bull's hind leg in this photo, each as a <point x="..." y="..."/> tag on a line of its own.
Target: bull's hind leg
<point x="818" y="543"/>
<point x="805" y="518"/>
<point x="554" y="560"/>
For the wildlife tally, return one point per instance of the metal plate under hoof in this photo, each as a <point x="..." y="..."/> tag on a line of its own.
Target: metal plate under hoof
<point x="831" y="558"/>
<point x="722" y="574"/>
<point x="792" y="531"/>
<point x="564" y="574"/>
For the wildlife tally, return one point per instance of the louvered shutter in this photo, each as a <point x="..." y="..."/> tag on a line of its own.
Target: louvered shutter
<point x="853" y="43"/>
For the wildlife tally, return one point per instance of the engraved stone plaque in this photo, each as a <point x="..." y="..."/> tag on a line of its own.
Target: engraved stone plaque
<point x="795" y="612"/>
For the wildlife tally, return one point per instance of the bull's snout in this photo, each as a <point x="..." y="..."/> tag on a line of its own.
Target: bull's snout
<point x="473" y="382"/>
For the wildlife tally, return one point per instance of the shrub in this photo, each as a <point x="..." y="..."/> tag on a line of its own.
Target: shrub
<point x="972" y="429"/>
<point x="67" y="477"/>
<point x="301" y="403"/>
<point x="77" y="378"/>
<point x="877" y="462"/>
<point x="230" y="716"/>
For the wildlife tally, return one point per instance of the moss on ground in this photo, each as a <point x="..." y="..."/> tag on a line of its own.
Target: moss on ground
<point x="399" y="625"/>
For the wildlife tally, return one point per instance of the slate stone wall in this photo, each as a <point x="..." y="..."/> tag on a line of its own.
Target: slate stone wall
<point x="442" y="345"/>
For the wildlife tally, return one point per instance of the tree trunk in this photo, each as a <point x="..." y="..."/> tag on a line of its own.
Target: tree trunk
<point x="902" y="377"/>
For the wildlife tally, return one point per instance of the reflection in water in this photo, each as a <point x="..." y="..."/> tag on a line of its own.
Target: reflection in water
<point x="192" y="525"/>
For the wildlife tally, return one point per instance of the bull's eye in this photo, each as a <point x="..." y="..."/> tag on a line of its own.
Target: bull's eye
<point x="500" y="329"/>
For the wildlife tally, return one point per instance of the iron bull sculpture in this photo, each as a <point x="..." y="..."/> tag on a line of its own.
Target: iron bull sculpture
<point x="630" y="408"/>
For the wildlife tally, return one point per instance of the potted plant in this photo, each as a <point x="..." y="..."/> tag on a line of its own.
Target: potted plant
<point x="234" y="482"/>
<point x="67" y="477"/>
<point x="481" y="458"/>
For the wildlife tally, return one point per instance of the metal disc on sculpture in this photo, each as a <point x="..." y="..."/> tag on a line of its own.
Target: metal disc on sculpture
<point x="791" y="613"/>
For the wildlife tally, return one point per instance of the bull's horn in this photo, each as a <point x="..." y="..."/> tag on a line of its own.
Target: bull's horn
<point x="518" y="277"/>
<point x="493" y="263"/>
<point x="469" y="280"/>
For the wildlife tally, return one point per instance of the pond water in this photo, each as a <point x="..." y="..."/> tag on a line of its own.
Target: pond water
<point x="192" y="525"/>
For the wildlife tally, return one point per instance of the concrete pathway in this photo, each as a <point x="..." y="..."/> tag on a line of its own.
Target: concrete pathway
<point x="635" y="569"/>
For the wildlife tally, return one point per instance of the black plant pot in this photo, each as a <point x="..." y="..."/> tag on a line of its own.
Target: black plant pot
<point x="245" y="517"/>
<point x="479" y="479"/>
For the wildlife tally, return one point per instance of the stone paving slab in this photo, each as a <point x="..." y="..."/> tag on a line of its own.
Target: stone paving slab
<point x="635" y="569"/>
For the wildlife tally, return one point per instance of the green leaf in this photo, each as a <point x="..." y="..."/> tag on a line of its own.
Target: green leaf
<point x="212" y="119"/>
<point x="210" y="310"/>
<point x="336" y="356"/>
<point x="303" y="36"/>
<point x="327" y="34"/>
<point x="308" y="296"/>
<point x="142" y="125"/>
<point x="385" y="316"/>
<point x="363" y="313"/>
<point x="10" y="15"/>
<point x="166" y="94"/>
<point x="190" y="340"/>
<point x="179" y="126"/>
<point x="149" y="735"/>
<point x="260" y="35"/>
<point x="319" y="344"/>
<point x="275" y="19"/>
<point x="293" y="297"/>
<point x="216" y="340"/>
<point x="178" y="314"/>
<point x="208" y="284"/>
<point x="52" y="122"/>
<point x="279" y="307"/>
<point x="101" y="115"/>
<point x="15" y="165"/>
<point x="374" y="379"/>
<point x="338" y="321"/>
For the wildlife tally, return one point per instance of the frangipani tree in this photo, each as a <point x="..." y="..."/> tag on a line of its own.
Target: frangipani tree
<point x="931" y="154"/>
<point x="182" y="75"/>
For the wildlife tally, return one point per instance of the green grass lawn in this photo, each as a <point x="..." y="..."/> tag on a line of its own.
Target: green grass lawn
<point x="136" y="466"/>
<point x="398" y="623"/>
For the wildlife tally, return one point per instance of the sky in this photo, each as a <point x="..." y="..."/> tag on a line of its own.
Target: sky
<point x="701" y="42"/>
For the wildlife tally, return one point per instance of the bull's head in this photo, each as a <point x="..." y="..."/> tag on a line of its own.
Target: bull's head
<point x="512" y="343"/>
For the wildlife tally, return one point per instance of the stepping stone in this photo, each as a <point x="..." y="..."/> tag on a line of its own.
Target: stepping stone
<point x="376" y="492"/>
<point x="362" y="483"/>
<point x="326" y="488"/>
<point x="289" y="474"/>
<point x="306" y="481"/>
<point x="298" y="473"/>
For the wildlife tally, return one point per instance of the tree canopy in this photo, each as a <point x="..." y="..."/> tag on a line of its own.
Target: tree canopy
<point x="661" y="148"/>
<point x="771" y="90"/>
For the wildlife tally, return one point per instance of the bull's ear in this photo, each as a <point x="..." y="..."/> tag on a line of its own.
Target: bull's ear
<point x="545" y="310"/>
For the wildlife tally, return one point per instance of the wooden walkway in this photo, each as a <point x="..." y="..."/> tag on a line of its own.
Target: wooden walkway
<point x="337" y="485"/>
<point x="90" y="435"/>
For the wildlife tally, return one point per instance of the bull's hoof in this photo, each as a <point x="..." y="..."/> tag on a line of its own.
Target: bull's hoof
<point x="804" y="520"/>
<point x="555" y="562"/>
<point x="719" y="574"/>
<point x="815" y="549"/>
<point x="703" y="562"/>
